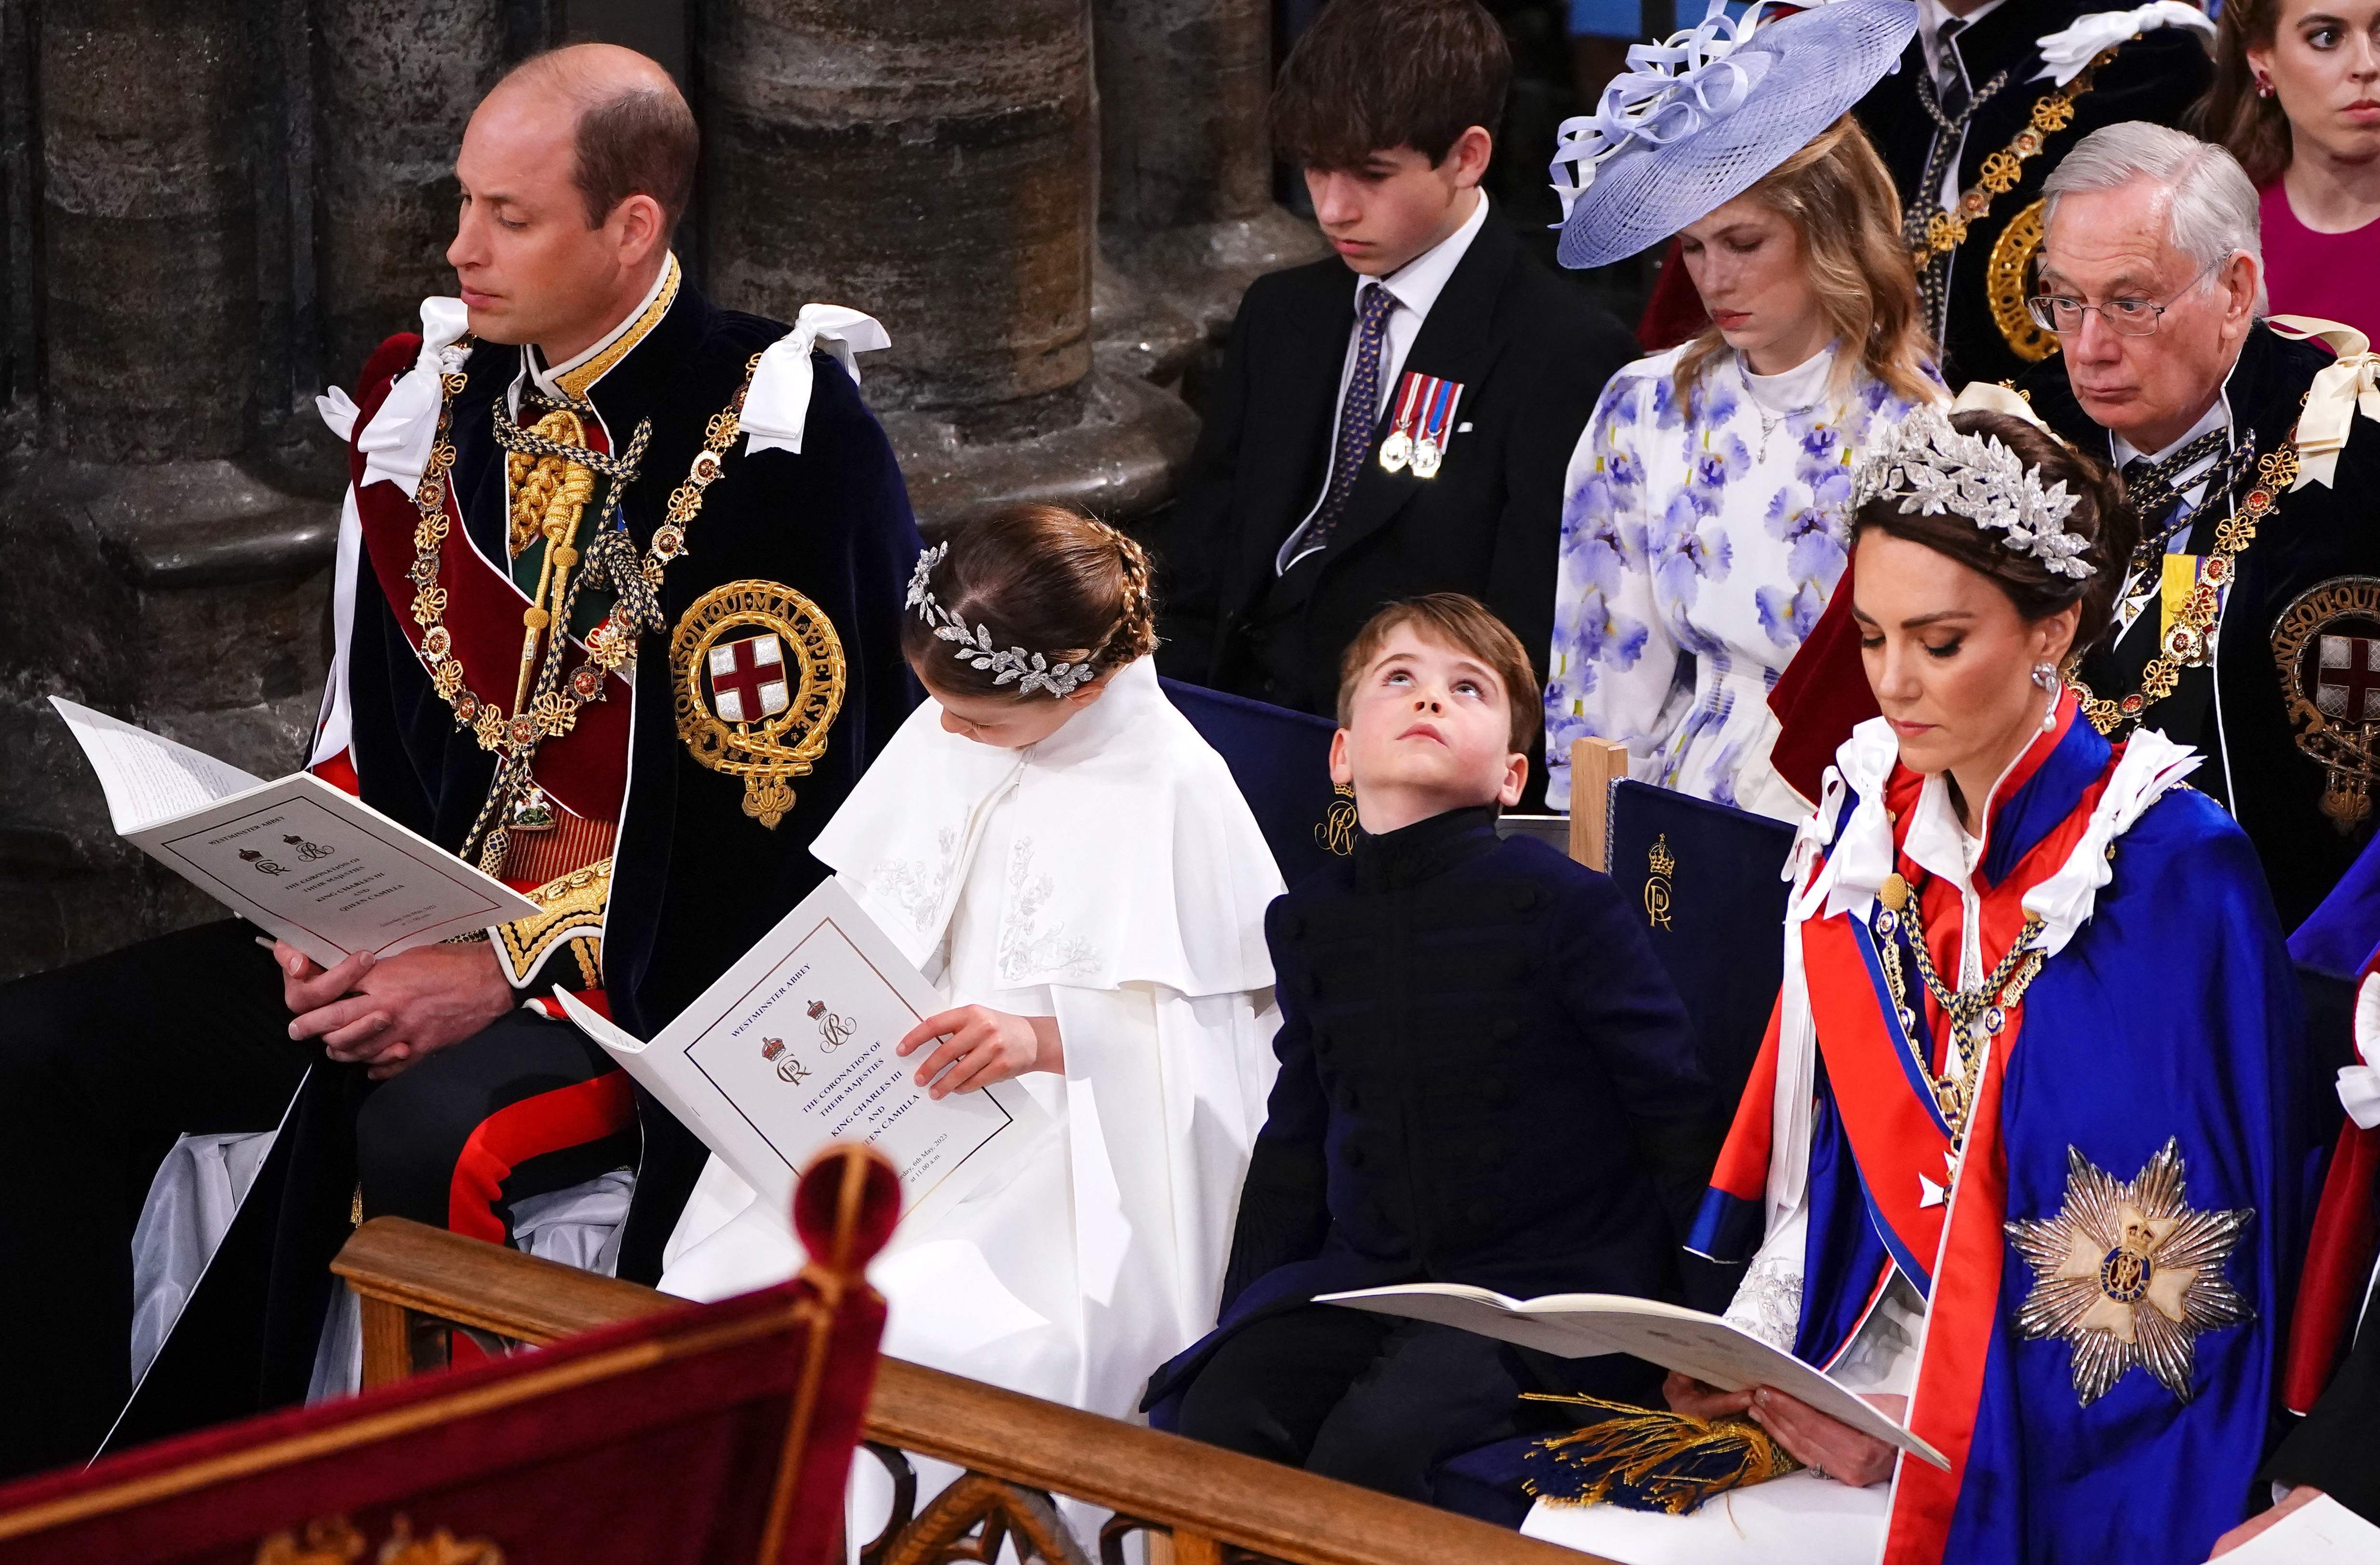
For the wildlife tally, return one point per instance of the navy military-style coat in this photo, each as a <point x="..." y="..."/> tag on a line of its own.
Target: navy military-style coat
<point x="1486" y="1078"/>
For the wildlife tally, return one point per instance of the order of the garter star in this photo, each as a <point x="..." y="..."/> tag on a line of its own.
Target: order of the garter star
<point x="2130" y="1274"/>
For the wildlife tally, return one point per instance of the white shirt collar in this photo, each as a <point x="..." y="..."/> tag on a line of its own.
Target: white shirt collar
<point x="1419" y="280"/>
<point x="548" y="378"/>
<point x="1932" y="14"/>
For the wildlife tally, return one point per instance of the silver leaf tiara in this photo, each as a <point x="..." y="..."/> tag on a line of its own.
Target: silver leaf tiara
<point x="1027" y="671"/>
<point x="1930" y="467"/>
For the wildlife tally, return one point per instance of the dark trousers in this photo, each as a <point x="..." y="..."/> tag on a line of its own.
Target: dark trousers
<point x="1367" y="1399"/>
<point x="104" y="1065"/>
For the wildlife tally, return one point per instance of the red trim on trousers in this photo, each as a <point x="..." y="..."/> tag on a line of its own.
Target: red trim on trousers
<point x="569" y="1116"/>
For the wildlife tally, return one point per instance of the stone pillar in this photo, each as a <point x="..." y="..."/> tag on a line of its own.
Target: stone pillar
<point x="1186" y="205"/>
<point x="933" y="162"/>
<point x="395" y="81"/>
<point x="154" y="570"/>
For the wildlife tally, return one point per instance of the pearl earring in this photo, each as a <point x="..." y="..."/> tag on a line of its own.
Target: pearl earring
<point x="2044" y="675"/>
<point x="2263" y="87"/>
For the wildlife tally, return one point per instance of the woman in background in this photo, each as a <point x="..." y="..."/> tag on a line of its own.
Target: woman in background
<point x="1705" y="522"/>
<point x="2297" y="99"/>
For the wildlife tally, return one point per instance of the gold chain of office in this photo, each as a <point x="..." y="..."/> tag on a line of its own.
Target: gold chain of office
<point x="544" y="707"/>
<point x="2053" y="112"/>
<point x="1984" y="1008"/>
<point x="2187" y="643"/>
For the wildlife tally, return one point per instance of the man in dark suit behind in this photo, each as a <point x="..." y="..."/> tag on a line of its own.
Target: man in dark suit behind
<point x="1292" y="530"/>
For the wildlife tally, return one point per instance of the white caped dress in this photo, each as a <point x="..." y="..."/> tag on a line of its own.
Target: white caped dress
<point x="1112" y="877"/>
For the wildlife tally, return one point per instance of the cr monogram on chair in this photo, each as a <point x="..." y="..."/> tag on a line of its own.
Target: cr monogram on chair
<point x="1657" y="884"/>
<point x="1336" y="831"/>
<point x="757" y="675"/>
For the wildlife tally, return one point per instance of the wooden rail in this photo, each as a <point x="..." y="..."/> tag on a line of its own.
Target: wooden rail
<point x="1214" y="1505"/>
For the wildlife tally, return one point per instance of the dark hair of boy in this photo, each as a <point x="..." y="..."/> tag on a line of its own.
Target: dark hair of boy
<point x="1370" y="74"/>
<point x="1463" y="624"/>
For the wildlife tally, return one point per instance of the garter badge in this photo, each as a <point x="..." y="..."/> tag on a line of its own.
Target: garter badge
<point x="2326" y="644"/>
<point x="2129" y="1274"/>
<point x="756" y="672"/>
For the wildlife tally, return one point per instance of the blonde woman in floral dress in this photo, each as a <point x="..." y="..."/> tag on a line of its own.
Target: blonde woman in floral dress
<point x="1705" y="522"/>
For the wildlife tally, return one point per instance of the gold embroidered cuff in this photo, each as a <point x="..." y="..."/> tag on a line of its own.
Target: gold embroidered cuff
<point x="570" y="913"/>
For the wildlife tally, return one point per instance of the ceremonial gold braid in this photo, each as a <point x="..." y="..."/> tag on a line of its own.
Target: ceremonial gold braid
<point x="1944" y="232"/>
<point x="551" y="710"/>
<point x="1963" y="1011"/>
<point x="549" y="492"/>
<point x="2187" y="644"/>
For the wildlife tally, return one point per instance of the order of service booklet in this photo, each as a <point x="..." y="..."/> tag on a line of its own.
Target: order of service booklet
<point x="296" y="857"/>
<point x="793" y="1047"/>
<point x="1584" y="1325"/>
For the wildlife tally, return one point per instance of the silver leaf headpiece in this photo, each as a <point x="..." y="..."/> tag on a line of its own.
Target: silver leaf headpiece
<point x="1027" y="671"/>
<point x="1930" y="467"/>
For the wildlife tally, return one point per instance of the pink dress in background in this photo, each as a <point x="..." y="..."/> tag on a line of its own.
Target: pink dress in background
<point x="2336" y="276"/>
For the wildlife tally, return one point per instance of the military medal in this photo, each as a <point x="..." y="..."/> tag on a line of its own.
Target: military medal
<point x="1430" y="449"/>
<point x="1398" y="447"/>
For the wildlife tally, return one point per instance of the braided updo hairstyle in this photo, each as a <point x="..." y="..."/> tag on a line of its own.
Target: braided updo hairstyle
<point x="1041" y="577"/>
<point x="2104" y="517"/>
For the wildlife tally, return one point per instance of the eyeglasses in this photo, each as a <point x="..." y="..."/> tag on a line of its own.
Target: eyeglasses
<point x="2126" y="317"/>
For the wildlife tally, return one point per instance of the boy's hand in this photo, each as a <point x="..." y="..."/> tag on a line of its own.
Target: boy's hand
<point x="389" y="1014"/>
<point x="980" y="1045"/>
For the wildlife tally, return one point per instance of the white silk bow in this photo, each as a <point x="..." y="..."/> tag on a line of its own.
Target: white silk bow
<point x="779" y="402"/>
<point x="2359" y="1086"/>
<point x="2350" y="383"/>
<point x="1670" y="89"/>
<point x="397" y="442"/>
<point x="2063" y="55"/>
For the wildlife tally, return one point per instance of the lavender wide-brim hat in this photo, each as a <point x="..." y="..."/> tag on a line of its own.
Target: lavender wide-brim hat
<point x="1700" y="118"/>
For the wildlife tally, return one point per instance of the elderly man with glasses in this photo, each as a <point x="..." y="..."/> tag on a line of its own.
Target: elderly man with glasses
<point x="2250" y="620"/>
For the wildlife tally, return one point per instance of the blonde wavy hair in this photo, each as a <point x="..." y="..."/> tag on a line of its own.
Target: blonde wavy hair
<point x="1839" y="197"/>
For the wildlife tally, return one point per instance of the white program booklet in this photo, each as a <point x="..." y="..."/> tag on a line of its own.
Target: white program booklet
<point x="793" y="1047"/>
<point x="2321" y="1533"/>
<point x="316" y="867"/>
<point x="1584" y="1325"/>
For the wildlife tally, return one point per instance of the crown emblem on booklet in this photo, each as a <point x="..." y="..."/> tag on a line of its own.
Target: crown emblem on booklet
<point x="817" y="1009"/>
<point x="771" y="1046"/>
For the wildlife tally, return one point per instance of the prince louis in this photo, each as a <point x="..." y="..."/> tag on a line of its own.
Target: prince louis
<point x="1486" y="1078"/>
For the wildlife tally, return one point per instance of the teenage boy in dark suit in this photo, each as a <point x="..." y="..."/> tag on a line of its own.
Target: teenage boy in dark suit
<point x="1396" y="420"/>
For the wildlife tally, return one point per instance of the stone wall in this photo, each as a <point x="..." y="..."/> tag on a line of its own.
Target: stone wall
<point x="209" y="208"/>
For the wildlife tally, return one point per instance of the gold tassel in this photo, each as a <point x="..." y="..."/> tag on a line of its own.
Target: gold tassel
<point x="1647" y="1460"/>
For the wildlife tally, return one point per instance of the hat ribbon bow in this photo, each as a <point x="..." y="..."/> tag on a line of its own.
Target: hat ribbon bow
<point x="1671" y="90"/>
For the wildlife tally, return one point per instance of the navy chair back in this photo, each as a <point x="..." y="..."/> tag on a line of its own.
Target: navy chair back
<point x="1281" y="760"/>
<point x="1707" y="880"/>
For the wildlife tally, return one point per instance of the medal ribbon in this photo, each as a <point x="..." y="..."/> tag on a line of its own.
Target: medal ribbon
<point x="1441" y="404"/>
<point x="1408" y="402"/>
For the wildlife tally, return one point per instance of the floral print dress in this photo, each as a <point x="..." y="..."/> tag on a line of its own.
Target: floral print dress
<point x="1700" y="540"/>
